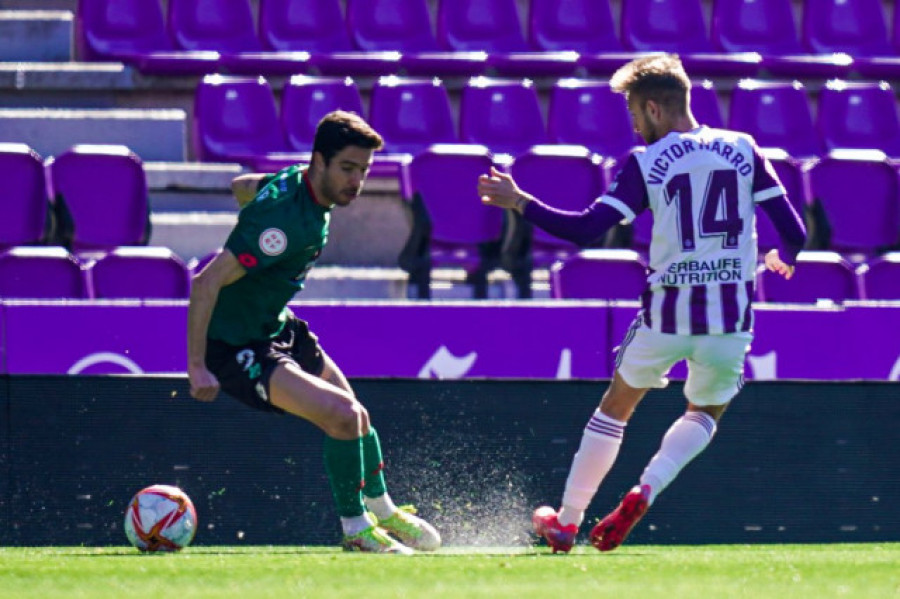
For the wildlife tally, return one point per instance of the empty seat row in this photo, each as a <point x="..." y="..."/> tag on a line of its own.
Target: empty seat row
<point x="122" y="273"/>
<point x="157" y="273"/>
<point x="857" y="193"/>
<point x="387" y="36"/>
<point x="236" y="118"/>
<point x="621" y="275"/>
<point x="90" y="197"/>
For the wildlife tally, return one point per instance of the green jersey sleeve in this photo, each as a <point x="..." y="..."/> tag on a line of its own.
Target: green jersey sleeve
<point x="259" y="239"/>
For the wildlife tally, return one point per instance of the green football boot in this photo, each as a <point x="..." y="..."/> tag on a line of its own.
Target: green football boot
<point x="411" y="530"/>
<point x="374" y="540"/>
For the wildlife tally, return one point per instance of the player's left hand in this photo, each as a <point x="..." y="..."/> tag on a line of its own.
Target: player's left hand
<point x="774" y="263"/>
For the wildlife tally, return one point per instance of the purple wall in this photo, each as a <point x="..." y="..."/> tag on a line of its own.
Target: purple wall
<point x="447" y="340"/>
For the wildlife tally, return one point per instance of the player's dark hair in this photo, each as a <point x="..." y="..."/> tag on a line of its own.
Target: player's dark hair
<point x="659" y="77"/>
<point x="340" y="129"/>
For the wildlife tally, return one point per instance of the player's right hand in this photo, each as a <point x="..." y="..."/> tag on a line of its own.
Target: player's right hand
<point x="204" y="384"/>
<point x="498" y="189"/>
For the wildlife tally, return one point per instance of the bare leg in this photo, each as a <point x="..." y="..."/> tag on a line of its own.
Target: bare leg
<point x="599" y="448"/>
<point x="621" y="399"/>
<point x="332" y="408"/>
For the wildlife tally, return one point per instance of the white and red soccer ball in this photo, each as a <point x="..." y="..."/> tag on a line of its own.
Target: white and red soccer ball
<point x="160" y="518"/>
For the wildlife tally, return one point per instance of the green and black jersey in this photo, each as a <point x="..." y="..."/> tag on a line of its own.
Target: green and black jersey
<point x="277" y="238"/>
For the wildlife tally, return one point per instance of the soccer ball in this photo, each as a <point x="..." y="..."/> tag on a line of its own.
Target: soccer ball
<point x="160" y="518"/>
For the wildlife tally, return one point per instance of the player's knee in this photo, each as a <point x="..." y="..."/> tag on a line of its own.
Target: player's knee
<point x="349" y="421"/>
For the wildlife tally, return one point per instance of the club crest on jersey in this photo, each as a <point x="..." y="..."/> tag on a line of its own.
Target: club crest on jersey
<point x="272" y="241"/>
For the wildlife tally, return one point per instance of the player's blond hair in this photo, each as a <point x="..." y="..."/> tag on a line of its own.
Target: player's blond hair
<point x="659" y="77"/>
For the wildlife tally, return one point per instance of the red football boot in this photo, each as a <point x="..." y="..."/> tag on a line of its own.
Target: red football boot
<point x="614" y="528"/>
<point x="559" y="537"/>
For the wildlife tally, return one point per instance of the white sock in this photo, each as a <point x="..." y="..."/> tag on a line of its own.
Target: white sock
<point x="356" y="524"/>
<point x="599" y="447"/>
<point x="687" y="437"/>
<point x="381" y="506"/>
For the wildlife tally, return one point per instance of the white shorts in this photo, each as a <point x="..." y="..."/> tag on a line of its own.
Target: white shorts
<point x="715" y="362"/>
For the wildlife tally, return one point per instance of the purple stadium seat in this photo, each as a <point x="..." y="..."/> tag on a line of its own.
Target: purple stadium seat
<point x="860" y="193"/>
<point x="791" y="176"/>
<point x="503" y="115"/>
<point x="140" y="272"/>
<point x="587" y="112"/>
<point x="318" y="27"/>
<point x="120" y="29"/>
<point x="224" y="26"/>
<point x="599" y="274"/>
<point x="769" y="27"/>
<point x="857" y="28"/>
<point x="493" y="26"/>
<point x="675" y="26"/>
<point x="385" y="25"/>
<point x="859" y="115"/>
<point x="134" y="31"/>
<point x="315" y="26"/>
<point x="882" y="67"/>
<point x="819" y="276"/>
<point x="583" y="26"/>
<point x="24" y="196"/>
<point x="104" y="190"/>
<point x="41" y="273"/>
<point x="411" y="114"/>
<point x="450" y="224"/>
<point x="405" y="26"/>
<point x="765" y="26"/>
<point x="305" y="100"/>
<point x="566" y="177"/>
<point x="480" y="25"/>
<point x="777" y="115"/>
<point x="441" y="175"/>
<point x="880" y="278"/>
<point x="705" y="104"/>
<point x="679" y="26"/>
<point x="235" y="120"/>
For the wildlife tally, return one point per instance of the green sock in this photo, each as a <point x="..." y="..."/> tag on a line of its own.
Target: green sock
<point x="344" y="465"/>
<point x="373" y="465"/>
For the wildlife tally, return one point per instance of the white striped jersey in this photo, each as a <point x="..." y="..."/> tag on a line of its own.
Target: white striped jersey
<point x="702" y="187"/>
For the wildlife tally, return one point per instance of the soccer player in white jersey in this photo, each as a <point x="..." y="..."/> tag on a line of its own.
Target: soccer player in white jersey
<point x="702" y="186"/>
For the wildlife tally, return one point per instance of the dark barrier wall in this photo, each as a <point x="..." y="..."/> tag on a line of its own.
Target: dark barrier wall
<point x="791" y="462"/>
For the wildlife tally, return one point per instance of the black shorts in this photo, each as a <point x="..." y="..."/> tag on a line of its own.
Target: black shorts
<point x="244" y="371"/>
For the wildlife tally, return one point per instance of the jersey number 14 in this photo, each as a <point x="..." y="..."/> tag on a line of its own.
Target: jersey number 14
<point x="719" y="215"/>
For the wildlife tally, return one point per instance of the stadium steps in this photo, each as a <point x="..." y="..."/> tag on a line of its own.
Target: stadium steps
<point x="153" y="134"/>
<point x="36" y="35"/>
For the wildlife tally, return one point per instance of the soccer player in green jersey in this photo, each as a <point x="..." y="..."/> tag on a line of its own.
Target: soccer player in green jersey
<point x="244" y="340"/>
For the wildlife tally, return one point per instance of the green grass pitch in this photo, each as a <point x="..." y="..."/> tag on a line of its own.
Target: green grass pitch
<point x="641" y="572"/>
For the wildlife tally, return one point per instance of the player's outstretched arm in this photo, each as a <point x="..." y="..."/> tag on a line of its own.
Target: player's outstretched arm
<point x="776" y="264"/>
<point x="582" y="228"/>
